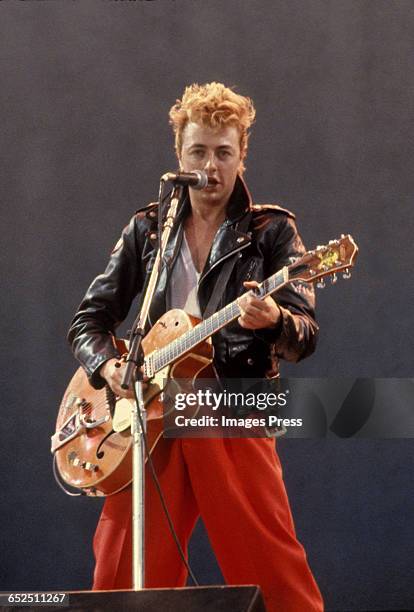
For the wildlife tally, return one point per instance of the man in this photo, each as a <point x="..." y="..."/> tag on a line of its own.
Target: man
<point x="234" y="484"/>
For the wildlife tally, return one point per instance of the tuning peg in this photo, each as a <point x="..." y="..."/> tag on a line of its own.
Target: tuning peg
<point x="321" y="283"/>
<point x="346" y="274"/>
<point x="334" y="278"/>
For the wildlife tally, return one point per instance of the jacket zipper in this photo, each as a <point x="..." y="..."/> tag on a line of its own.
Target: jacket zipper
<point x="219" y="261"/>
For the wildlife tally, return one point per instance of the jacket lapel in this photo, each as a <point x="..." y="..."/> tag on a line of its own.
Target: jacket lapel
<point x="229" y="239"/>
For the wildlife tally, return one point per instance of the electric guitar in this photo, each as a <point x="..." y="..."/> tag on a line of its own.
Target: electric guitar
<point x="92" y="444"/>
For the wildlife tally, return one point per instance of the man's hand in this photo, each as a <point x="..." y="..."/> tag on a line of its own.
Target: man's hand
<point x="257" y="314"/>
<point x="113" y="372"/>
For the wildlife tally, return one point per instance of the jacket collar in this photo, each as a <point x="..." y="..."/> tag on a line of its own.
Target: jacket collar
<point x="229" y="238"/>
<point x="240" y="201"/>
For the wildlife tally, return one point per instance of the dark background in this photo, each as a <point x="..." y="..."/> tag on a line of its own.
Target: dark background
<point x="85" y="88"/>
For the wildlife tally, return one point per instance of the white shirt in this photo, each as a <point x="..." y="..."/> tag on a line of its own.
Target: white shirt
<point x="183" y="285"/>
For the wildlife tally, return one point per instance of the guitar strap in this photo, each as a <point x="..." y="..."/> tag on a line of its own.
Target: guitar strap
<point x="225" y="273"/>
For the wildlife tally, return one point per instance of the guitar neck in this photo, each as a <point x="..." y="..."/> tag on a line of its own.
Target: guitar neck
<point x="163" y="357"/>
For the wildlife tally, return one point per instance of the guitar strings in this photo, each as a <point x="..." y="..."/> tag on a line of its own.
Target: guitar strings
<point x="206" y="328"/>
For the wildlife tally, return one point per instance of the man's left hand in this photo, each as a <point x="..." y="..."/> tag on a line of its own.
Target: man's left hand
<point x="257" y="314"/>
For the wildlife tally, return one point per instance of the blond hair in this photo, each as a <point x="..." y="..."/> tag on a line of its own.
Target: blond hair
<point x="215" y="106"/>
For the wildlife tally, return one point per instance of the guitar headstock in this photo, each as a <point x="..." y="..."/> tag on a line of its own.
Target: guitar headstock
<point x="326" y="260"/>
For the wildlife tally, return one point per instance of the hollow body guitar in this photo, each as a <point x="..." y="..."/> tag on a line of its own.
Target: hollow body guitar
<point x="92" y="444"/>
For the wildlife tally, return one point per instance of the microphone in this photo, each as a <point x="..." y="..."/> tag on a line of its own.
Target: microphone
<point x="197" y="179"/>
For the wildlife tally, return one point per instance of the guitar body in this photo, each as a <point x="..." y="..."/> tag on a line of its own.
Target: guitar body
<point x="92" y="443"/>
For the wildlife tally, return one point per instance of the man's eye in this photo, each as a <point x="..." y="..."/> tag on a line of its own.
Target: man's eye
<point x="198" y="153"/>
<point x="224" y="154"/>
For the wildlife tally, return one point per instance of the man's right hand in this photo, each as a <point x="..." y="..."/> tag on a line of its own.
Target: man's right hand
<point x="113" y="372"/>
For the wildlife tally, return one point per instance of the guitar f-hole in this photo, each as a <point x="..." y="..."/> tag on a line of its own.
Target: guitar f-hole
<point x="100" y="453"/>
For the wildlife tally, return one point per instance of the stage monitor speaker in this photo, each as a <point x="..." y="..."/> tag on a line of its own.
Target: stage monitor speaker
<point x="189" y="599"/>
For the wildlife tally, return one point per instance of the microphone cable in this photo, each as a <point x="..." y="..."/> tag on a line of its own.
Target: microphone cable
<point x="161" y="494"/>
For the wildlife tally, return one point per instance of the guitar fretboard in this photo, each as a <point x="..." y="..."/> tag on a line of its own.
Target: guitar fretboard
<point x="203" y="330"/>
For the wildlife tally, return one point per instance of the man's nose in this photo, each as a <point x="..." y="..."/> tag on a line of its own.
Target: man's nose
<point x="210" y="163"/>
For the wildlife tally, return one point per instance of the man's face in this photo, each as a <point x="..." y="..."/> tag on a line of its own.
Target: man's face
<point x="217" y="152"/>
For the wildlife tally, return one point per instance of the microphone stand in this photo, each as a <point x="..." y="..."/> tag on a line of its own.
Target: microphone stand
<point x="135" y="360"/>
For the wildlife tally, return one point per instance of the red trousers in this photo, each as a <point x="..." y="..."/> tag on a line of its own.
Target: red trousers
<point x="236" y="486"/>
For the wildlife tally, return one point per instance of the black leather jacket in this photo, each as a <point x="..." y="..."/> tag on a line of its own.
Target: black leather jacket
<point x="269" y="243"/>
